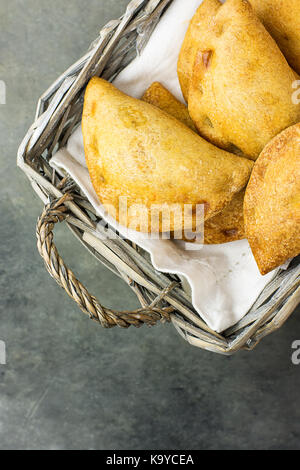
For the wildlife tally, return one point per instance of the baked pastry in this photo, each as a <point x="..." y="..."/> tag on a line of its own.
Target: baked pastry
<point x="228" y="225"/>
<point x="272" y="202"/>
<point x="239" y="94"/>
<point x="201" y="21"/>
<point x="159" y="96"/>
<point x="136" y="151"/>
<point x="282" y="19"/>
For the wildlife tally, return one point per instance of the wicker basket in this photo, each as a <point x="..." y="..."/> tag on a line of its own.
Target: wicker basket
<point x="161" y="296"/>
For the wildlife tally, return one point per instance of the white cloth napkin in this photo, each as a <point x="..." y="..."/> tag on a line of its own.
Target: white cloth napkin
<point x="224" y="279"/>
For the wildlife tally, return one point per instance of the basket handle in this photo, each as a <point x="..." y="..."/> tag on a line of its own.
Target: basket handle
<point x="56" y="211"/>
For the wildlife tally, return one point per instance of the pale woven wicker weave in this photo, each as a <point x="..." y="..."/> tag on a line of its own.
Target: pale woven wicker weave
<point x="161" y="296"/>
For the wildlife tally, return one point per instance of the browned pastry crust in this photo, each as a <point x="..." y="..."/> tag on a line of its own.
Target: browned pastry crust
<point x="159" y="96"/>
<point x="237" y="82"/>
<point x="282" y="19"/>
<point x="192" y="42"/>
<point x="228" y="225"/>
<point x="272" y="202"/>
<point x="137" y="151"/>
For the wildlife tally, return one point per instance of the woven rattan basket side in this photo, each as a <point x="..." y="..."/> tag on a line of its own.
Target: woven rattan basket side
<point x="162" y="296"/>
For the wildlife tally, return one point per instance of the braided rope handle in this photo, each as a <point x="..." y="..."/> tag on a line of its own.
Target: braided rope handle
<point x="55" y="212"/>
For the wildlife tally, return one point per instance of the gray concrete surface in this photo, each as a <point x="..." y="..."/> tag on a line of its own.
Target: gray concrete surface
<point x="68" y="384"/>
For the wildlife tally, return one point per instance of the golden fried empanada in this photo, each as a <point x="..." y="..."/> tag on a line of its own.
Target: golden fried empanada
<point x="228" y="225"/>
<point x="159" y="96"/>
<point x="282" y="19"/>
<point x="272" y="202"/>
<point x="240" y="92"/>
<point x="136" y="151"/>
<point x="202" y="20"/>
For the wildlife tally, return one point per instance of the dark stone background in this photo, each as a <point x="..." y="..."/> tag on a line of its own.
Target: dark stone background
<point x="68" y="384"/>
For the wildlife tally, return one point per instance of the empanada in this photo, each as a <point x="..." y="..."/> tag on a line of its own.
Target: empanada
<point x="272" y="202"/>
<point x="136" y="151"/>
<point x="202" y="20"/>
<point x="282" y="19"/>
<point x="159" y="96"/>
<point x="240" y="91"/>
<point x="228" y="225"/>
